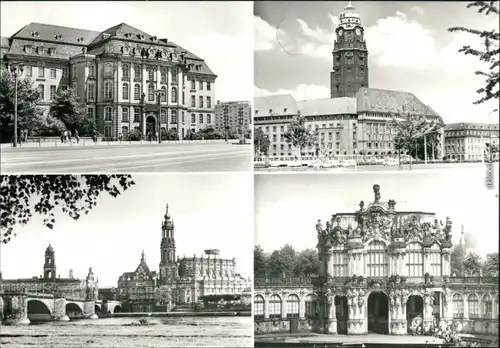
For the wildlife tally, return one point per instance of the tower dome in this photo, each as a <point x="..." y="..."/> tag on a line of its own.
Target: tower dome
<point x="49" y="249"/>
<point x="349" y="18"/>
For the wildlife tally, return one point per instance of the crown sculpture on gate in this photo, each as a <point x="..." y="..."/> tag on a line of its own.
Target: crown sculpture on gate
<point x="380" y="221"/>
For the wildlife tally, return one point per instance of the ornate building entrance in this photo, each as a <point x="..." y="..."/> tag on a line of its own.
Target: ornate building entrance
<point x="378" y="313"/>
<point x="414" y="309"/>
<point x="151" y="126"/>
<point x="341" y="314"/>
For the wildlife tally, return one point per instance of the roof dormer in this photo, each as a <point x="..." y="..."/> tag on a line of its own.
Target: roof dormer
<point x="58" y="37"/>
<point x="79" y="39"/>
<point x="35" y="34"/>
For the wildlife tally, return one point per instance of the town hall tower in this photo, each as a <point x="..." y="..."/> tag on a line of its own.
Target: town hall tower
<point x="350" y="56"/>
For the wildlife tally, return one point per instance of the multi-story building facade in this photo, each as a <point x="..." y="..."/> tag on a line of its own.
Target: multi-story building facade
<point x="234" y="117"/>
<point x="356" y="120"/>
<point x="137" y="290"/>
<point x="380" y="270"/>
<point x="122" y="75"/>
<point x="467" y="141"/>
<point x="50" y="282"/>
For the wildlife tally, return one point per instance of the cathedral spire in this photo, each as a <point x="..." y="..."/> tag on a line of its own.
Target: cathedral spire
<point x="143" y="257"/>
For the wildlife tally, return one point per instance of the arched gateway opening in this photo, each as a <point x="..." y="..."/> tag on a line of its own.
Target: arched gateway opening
<point x="414" y="310"/>
<point x="151" y="125"/>
<point x="341" y="312"/>
<point x="378" y="313"/>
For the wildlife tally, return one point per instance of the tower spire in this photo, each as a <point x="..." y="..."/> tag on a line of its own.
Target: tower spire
<point x="143" y="257"/>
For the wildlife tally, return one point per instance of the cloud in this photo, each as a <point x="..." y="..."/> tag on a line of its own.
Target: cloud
<point x="301" y="92"/>
<point x="264" y="35"/>
<point x="419" y="11"/>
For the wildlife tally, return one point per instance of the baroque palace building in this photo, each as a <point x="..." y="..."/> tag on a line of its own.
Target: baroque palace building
<point x="122" y="75"/>
<point x="356" y="119"/>
<point x="380" y="270"/>
<point x="188" y="278"/>
<point x="467" y="141"/>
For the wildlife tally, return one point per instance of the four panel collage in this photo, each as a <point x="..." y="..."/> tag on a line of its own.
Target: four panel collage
<point x="249" y="174"/>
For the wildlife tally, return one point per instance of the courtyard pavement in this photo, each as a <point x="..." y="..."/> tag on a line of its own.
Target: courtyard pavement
<point x="103" y="157"/>
<point x="349" y="339"/>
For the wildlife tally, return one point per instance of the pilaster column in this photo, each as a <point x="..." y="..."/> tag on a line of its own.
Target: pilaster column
<point x="283" y="305"/>
<point x="329" y="263"/>
<point x="466" y="306"/>
<point x="302" y="308"/>
<point x="447" y="305"/>
<point x="428" y="318"/>
<point x="266" y="307"/>
<point x="398" y="300"/>
<point x="332" y="319"/>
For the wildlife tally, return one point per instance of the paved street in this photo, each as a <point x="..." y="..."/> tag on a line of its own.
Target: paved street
<point x="126" y="158"/>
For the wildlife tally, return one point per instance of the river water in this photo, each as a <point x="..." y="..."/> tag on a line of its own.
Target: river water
<point x="127" y="333"/>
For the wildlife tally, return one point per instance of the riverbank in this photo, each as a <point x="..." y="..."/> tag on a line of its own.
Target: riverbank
<point x="179" y="314"/>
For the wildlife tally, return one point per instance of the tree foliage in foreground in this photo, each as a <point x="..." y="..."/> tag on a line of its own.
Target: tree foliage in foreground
<point x="22" y="196"/>
<point x="261" y="142"/>
<point x="489" y="54"/>
<point x="298" y="135"/>
<point x="67" y="108"/>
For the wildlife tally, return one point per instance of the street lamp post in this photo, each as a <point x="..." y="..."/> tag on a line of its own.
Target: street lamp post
<point x="489" y="128"/>
<point x="355" y="126"/>
<point x="159" y="94"/>
<point x="17" y="70"/>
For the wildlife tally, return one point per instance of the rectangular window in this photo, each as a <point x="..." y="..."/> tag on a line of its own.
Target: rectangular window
<point x="209" y="118"/>
<point x="108" y="69"/>
<point x="193" y="118"/>
<point x="53" y="73"/>
<point x="208" y="86"/>
<point x="29" y="70"/>
<point x="91" y="71"/>
<point x="90" y="91"/>
<point x="201" y="101"/>
<point x="209" y="102"/>
<point x="200" y="116"/>
<point x="193" y="101"/>
<point x="124" y="114"/>
<point x="200" y="85"/>
<point x="64" y="73"/>
<point x="74" y="72"/>
<point x="193" y="85"/>
<point x="107" y="114"/>
<point x="41" y="71"/>
<point x="137" y="115"/>
<point x="52" y="92"/>
<point x="163" y="73"/>
<point x="137" y="72"/>
<point x="151" y="73"/>
<point x="90" y="113"/>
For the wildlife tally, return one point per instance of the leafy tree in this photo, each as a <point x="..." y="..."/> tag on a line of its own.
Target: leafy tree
<point x="457" y="261"/>
<point x="489" y="54"/>
<point x="171" y="134"/>
<point x="261" y="142"/>
<point x="306" y="263"/>
<point x="298" y="135"/>
<point x="163" y="295"/>
<point x="71" y="112"/>
<point x="44" y="124"/>
<point x="28" y="104"/>
<point x="73" y="194"/>
<point x="472" y="264"/>
<point x="490" y="266"/>
<point x="282" y="262"/>
<point x="259" y="262"/>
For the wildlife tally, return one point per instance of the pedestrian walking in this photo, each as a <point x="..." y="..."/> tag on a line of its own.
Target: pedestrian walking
<point x="77" y="136"/>
<point x="70" y="135"/>
<point x="156" y="136"/>
<point x="65" y="136"/>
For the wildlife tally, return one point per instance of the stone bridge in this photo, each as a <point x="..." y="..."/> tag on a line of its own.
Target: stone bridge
<point x="29" y="307"/>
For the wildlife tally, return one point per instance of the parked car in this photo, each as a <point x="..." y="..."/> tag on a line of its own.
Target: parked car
<point x="391" y="162"/>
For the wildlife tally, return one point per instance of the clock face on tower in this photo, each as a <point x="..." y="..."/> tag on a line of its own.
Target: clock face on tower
<point x="358" y="31"/>
<point x="341" y="32"/>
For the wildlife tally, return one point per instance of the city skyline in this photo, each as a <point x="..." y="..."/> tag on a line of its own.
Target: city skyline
<point x="205" y="217"/>
<point x="207" y="34"/>
<point x="409" y="46"/>
<point x="294" y="203"/>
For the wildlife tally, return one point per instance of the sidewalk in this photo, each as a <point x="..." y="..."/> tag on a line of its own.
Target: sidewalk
<point x="85" y="142"/>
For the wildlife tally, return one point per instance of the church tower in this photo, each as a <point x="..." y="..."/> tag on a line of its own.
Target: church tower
<point x="350" y="56"/>
<point x="49" y="267"/>
<point x="168" y="265"/>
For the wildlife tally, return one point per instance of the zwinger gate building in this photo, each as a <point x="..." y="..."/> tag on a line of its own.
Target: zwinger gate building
<point x="380" y="270"/>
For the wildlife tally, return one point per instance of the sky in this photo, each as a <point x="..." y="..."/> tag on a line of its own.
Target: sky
<point x="218" y="32"/>
<point x="209" y="211"/>
<point x="287" y="207"/>
<point x="410" y="49"/>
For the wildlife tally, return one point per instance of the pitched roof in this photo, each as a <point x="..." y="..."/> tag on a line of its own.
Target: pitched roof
<point x="388" y="101"/>
<point x="329" y="106"/>
<point x="280" y="104"/>
<point x="121" y="31"/>
<point x="49" y="32"/>
<point x="469" y="125"/>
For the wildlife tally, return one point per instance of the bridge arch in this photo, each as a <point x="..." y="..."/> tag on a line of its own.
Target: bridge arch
<point x="38" y="310"/>
<point x="117" y="309"/>
<point x="74" y="311"/>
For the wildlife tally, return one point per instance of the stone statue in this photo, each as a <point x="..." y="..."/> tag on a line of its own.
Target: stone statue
<point x="361" y="205"/>
<point x="143" y="97"/>
<point x="319" y="227"/>
<point x="376" y="191"/>
<point x="392" y="204"/>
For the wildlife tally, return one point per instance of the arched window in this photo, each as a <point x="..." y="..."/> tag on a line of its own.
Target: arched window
<point x="292" y="306"/>
<point x="258" y="306"/>
<point x="377" y="263"/>
<point x="435" y="260"/>
<point x="174" y="95"/>
<point x="458" y="306"/>
<point x="174" y="117"/>
<point x="487" y="306"/>
<point x="339" y="259"/>
<point x="151" y="92"/>
<point x="125" y="71"/>
<point x="473" y="304"/>
<point x="125" y="91"/>
<point x="137" y="92"/>
<point x="415" y="260"/>
<point x="275" y="307"/>
<point x="310" y="305"/>
<point x="108" y="90"/>
<point x="163" y="94"/>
